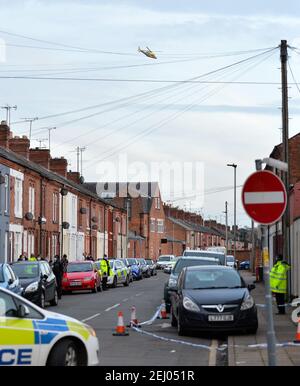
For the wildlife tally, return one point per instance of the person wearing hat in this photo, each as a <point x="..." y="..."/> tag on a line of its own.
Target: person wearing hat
<point x="278" y="282"/>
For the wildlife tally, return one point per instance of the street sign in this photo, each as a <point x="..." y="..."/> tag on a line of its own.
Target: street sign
<point x="264" y="197"/>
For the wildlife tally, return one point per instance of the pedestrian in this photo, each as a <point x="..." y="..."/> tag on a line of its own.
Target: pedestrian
<point x="65" y="262"/>
<point x="105" y="270"/>
<point x="51" y="262"/>
<point x="21" y="258"/>
<point x="58" y="271"/>
<point x="32" y="257"/>
<point x="278" y="283"/>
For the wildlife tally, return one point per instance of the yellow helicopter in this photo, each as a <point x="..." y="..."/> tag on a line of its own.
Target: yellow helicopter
<point x="148" y="53"/>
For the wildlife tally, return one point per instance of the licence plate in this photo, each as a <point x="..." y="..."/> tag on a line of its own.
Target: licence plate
<point x="75" y="283"/>
<point x="220" y="318"/>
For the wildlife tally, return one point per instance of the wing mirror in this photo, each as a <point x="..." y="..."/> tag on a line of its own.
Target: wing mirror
<point x="44" y="277"/>
<point x="10" y="281"/>
<point x="251" y="287"/>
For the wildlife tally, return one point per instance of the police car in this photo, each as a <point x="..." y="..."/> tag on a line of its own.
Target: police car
<point x="119" y="273"/>
<point x="32" y="336"/>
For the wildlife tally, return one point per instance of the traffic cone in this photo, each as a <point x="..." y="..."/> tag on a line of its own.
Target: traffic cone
<point x="133" y="322"/>
<point x="120" y="329"/>
<point x="297" y="339"/>
<point x="163" y="311"/>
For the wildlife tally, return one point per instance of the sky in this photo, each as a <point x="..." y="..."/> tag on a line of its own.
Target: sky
<point x="141" y="120"/>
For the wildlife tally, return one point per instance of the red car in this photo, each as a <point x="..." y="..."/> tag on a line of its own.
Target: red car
<point x="81" y="276"/>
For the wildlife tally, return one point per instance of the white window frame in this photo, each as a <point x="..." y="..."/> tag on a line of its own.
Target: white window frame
<point x="55" y="201"/>
<point x="152" y="224"/>
<point x="6" y="194"/>
<point x="32" y="200"/>
<point x="160" y="225"/>
<point x="18" y="197"/>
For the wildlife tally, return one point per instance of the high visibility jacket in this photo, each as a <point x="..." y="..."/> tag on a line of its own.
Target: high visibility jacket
<point x="104" y="266"/>
<point x="32" y="258"/>
<point x="278" y="277"/>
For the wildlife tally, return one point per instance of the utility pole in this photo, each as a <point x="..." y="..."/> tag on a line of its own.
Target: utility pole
<point x="226" y="221"/>
<point x="285" y="154"/>
<point x="49" y="136"/>
<point x="78" y="152"/>
<point x="30" y="120"/>
<point x="81" y="149"/>
<point x="234" y="230"/>
<point x="8" y="108"/>
<point x="252" y="261"/>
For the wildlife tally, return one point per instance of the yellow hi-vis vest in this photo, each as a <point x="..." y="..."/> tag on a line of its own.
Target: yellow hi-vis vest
<point x="103" y="266"/>
<point x="278" y="277"/>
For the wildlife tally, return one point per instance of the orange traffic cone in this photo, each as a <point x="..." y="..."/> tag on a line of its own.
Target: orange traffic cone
<point x="133" y="322"/>
<point x="120" y="329"/>
<point x="163" y="311"/>
<point x="297" y="339"/>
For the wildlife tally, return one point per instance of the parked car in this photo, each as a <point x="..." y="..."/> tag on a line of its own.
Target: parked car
<point x="212" y="299"/>
<point x="182" y="262"/>
<point x="81" y="276"/>
<point x="144" y="267"/>
<point x="164" y="261"/>
<point x="231" y="261"/>
<point x="128" y="266"/>
<point x="206" y="253"/>
<point x="152" y="266"/>
<point x="9" y="280"/>
<point x="244" y="264"/>
<point x="118" y="273"/>
<point x="38" y="281"/>
<point x="136" y="271"/>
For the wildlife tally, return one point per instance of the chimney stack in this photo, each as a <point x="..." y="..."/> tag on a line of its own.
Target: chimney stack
<point x="40" y="156"/>
<point x="73" y="176"/>
<point x="20" y="146"/>
<point x="59" y="166"/>
<point x="5" y="134"/>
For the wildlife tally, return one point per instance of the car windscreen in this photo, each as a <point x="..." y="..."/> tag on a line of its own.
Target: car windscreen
<point x="26" y="270"/>
<point x="217" y="255"/>
<point x="164" y="258"/>
<point x="230" y="259"/>
<point x="131" y="261"/>
<point x="181" y="263"/>
<point x="84" y="267"/>
<point x="1" y="275"/>
<point x="212" y="279"/>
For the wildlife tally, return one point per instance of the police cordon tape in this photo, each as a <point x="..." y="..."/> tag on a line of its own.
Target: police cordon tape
<point x="202" y="346"/>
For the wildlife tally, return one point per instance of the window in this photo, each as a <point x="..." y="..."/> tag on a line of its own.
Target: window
<point x="88" y="217"/>
<point x="54" y="245"/>
<point x="31" y="199"/>
<point x="160" y="226"/>
<point x="6" y="194"/>
<point x="55" y="207"/>
<point x="152" y="225"/>
<point x="17" y="245"/>
<point x="18" y="198"/>
<point x="157" y="203"/>
<point x="73" y="212"/>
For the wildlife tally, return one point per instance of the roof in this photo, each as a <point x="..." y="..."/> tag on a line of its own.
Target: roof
<point x="22" y="161"/>
<point x="194" y="227"/>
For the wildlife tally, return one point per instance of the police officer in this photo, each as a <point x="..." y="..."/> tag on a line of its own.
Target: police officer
<point x="32" y="257"/>
<point x="58" y="270"/>
<point x="278" y="282"/>
<point x="105" y="270"/>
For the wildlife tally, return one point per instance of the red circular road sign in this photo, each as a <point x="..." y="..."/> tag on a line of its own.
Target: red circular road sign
<point x="264" y="197"/>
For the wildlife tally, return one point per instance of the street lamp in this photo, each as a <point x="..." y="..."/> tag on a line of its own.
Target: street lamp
<point x="234" y="166"/>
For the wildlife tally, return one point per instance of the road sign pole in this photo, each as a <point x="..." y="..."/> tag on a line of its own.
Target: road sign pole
<point x="271" y="338"/>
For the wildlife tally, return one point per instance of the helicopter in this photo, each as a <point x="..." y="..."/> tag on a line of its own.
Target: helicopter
<point x="148" y="53"/>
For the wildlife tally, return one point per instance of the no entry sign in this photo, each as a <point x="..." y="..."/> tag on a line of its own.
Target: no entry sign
<point x="264" y="197"/>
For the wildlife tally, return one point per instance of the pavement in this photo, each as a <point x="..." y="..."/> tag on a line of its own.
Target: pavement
<point x="285" y="331"/>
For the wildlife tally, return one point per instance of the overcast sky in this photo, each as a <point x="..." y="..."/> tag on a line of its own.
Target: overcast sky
<point x="212" y="124"/>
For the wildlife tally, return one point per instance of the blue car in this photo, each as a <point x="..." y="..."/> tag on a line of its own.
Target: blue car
<point x="135" y="268"/>
<point x="245" y="264"/>
<point x="9" y="280"/>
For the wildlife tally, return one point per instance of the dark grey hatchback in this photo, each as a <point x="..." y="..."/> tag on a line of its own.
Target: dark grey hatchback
<point x="212" y="299"/>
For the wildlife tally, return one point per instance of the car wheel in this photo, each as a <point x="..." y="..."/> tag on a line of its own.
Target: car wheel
<point x="180" y="329"/>
<point x="42" y="300"/>
<point x="99" y="288"/>
<point x="65" y="353"/>
<point x="173" y="319"/>
<point x="54" y="301"/>
<point x="114" y="284"/>
<point x="126" y="284"/>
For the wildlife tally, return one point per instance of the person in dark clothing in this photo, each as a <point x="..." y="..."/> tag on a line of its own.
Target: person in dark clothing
<point x="58" y="270"/>
<point x="65" y="262"/>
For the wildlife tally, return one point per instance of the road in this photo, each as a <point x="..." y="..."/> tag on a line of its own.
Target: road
<point x="100" y="311"/>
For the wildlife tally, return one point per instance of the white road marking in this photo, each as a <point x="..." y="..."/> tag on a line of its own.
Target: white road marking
<point x="91" y="317"/>
<point x="172" y="351"/>
<point x="264" y="197"/>
<point x="212" y="359"/>
<point x="115" y="306"/>
<point x="141" y="293"/>
<point x="125" y="300"/>
<point x="165" y="325"/>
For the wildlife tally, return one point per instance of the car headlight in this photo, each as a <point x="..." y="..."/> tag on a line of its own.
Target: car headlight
<point x="247" y="303"/>
<point x="32" y="287"/>
<point x="190" y="305"/>
<point x="88" y="279"/>
<point x="172" y="282"/>
<point x="91" y="330"/>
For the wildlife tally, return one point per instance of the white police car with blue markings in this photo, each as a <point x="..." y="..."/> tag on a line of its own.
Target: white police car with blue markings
<point x="31" y="336"/>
